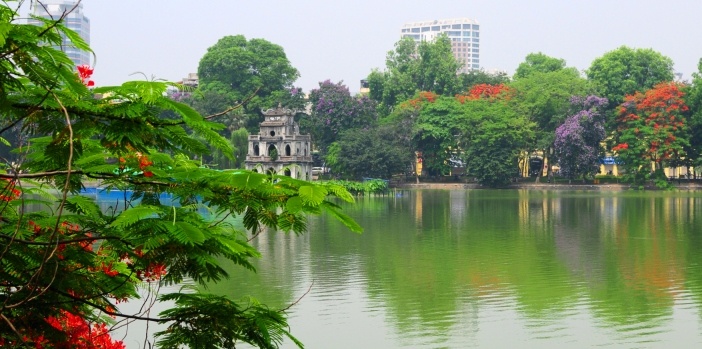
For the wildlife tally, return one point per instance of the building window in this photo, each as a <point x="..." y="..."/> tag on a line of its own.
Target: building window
<point x="476" y="34"/>
<point x="425" y="29"/>
<point x="475" y="50"/>
<point x="435" y="28"/>
<point x="415" y="30"/>
<point x="445" y="27"/>
<point x="476" y="40"/>
<point x="476" y="27"/>
<point x="456" y="26"/>
<point x="476" y="66"/>
<point x="466" y="33"/>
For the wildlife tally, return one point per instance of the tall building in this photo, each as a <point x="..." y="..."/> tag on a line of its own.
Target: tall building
<point x="463" y="32"/>
<point x="74" y="20"/>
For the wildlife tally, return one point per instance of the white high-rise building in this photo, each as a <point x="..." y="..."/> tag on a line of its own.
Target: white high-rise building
<point x="75" y="20"/>
<point x="463" y="32"/>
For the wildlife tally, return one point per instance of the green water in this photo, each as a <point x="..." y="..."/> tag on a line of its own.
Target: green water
<point x="491" y="269"/>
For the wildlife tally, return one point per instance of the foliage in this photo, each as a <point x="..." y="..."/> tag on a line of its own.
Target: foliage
<point x="693" y="99"/>
<point x="493" y="137"/>
<point x="334" y="110"/>
<point x="370" y="186"/>
<point x="577" y="144"/>
<point x="651" y="130"/>
<point x="484" y="91"/>
<point x="413" y="67"/>
<point x="480" y="76"/>
<point x="539" y="62"/>
<point x="436" y="130"/>
<point x="377" y="152"/>
<point x="544" y="97"/>
<point x="236" y="70"/>
<point x="240" y="143"/>
<point x="66" y="265"/>
<point x="625" y="70"/>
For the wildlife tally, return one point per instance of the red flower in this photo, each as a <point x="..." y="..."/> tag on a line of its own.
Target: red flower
<point x="621" y="146"/>
<point x="84" y="73"/>
<point x="148" y="174"/>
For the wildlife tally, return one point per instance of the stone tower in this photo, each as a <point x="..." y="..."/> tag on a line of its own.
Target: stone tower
<point x="280" y="147"/>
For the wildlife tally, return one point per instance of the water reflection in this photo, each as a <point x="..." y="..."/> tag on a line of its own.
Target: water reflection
<point x="486" y="269"/>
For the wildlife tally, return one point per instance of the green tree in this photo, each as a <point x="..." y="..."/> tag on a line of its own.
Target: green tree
<point x="240" y="144"/>
<point x="66" y="264"/>
<point x="539" y="62"/>
<point x="436" y="131"/>
<point x="254" y="72"/>
<point x="544" y="97"/>
<point x="375" y="153"/>
<point x="625" y="71"/>
<point x="413" y="67"/>
<point x="477" y="77"/>
<point x="693" y="99"/>
<point x="493" y="138"/>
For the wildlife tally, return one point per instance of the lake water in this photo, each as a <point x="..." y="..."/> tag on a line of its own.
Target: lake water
<point x="491" y="269"/>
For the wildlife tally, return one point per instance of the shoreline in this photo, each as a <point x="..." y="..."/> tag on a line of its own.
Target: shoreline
<point x="543" y="186"/>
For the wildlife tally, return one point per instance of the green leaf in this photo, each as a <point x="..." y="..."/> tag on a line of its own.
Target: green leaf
<point x="187" y="233"/>
<point x="83" y="205"/>
<point x="133" y="215"/>
<point x="294" y="204"/>
<point x="312" y="194"/>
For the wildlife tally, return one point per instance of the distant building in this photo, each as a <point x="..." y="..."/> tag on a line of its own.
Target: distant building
<point x="463" y="32"/>
<point x="190" y="81"/>
<point x="279" y="147"/>
<point x="74" y="20"/>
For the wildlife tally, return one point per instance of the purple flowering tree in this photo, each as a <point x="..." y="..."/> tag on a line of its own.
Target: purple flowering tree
<point x="577" y="144"/>
<point x="333" y="110"/>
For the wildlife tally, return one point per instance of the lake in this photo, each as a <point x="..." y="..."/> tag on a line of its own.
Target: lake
<point x="491" y="269"/>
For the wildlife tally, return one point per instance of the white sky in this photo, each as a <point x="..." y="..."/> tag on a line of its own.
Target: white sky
<point x="345" y="40"/>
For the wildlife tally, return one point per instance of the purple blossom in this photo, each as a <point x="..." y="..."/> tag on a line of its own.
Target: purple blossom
<point x="578" y="139"/>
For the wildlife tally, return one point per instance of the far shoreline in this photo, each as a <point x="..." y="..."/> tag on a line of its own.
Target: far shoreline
<point x="543" y="186"/>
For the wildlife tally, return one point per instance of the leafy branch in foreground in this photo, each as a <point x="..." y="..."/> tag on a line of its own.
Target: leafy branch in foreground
<point x="67" y="264"/>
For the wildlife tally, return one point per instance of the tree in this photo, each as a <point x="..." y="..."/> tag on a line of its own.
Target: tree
<point x="577" y="145"/>
<point x="651" y="130"/>
<point x="625" y="71"/>
<point x="693" y="99"/>
<point x="66" y="265"/>
<point x="256" y="72"/>
<point x="539" y="62"/>
<point x="374" y="153"/>
<point x="477" y="77"/>
<point x="334" y="111"/>
<point x="493" y="137"/>
<point x="544" y="97"/>
<point x="413" y="67"/>
<point x="436" y="130"/>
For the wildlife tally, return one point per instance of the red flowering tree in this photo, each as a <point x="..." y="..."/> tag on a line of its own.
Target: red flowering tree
<point x="67" y="265"/>
<point x="651" y="132"/>
<point x="485" y="91"/>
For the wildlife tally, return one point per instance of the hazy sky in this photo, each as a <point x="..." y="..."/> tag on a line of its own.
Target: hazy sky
<point x="345" y="40"/>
